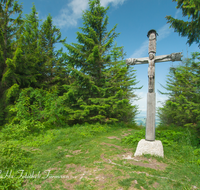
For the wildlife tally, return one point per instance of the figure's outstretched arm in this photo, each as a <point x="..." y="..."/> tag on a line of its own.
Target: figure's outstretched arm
<point x="170" y="57"/>
<point x="132" y="61"/>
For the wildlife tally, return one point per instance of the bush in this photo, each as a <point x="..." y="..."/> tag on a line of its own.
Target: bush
<point x="12" y="159"/>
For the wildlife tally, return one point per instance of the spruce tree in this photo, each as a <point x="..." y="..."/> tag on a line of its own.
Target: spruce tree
<point x="190" y="28"/>
<point x="183" y="105"/>
<point x="101" y="89"/>
<point x="23" y="69"/>
<point x="8" y="29"/>
<point x="55" y="67"/>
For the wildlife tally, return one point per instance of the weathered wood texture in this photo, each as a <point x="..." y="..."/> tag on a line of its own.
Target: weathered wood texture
<point x="150" y="121"/>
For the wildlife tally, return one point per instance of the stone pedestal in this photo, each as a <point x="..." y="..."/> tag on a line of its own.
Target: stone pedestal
<point x="149" y="147"/>
<point x="150" y="121"/>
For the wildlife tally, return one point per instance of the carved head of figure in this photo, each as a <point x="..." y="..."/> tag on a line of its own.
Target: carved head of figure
<point x="151" y="56"/>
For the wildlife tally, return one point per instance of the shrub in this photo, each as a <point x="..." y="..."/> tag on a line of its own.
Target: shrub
<point x="12" y="159"/>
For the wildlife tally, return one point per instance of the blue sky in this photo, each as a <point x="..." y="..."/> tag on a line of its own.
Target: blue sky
<point x="134" y="18"/>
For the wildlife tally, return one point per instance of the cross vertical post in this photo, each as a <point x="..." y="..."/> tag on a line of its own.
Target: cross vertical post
<point x="151" y="95"/>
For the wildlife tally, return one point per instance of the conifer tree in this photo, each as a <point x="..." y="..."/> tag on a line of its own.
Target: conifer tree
<point x="190" y="28"/>
<point x="101" y="90"/>
<point x="54" y="63"/>
<point x="183" y="105"/>
<point x="8" y="29"/>
<point x="22" y="69"/>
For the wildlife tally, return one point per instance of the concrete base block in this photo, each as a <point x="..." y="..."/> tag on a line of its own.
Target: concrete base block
<point x="149" y="147"/>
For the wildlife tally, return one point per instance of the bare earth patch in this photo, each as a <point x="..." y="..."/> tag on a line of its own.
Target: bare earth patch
<point x="113" y="137"/>
<point x="111" y="145"/>
<point x="142" y="161"/>
<point x="52" y="169"/>
<point x="155" y="185"/>
<point x="37" y="187"/>
<point x="67" y="156"/>
<point x="76" y="152"/>
<point x="154" y="164"/>
<point x="80" y="172"/>
<point x="99" y="177"/>
<point x="72" y="152"/>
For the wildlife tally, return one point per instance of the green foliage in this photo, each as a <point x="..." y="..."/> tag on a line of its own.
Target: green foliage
<point x="89" y="84"/>
<point x="142" y="181"/>
<point x="25" y="116"/>
<point x="190" y="28"/>
<point x="51" y="60"/>
<point x="79" y="133"/>
<point x="102" y="85"/>
<point x="37" y="109"/>
<point x="21" y="68"/>
<point x="126" y="182"/>
<point x="87" y="130"/>
<point x="11" y="183"/>
<point x="39" y="139"/>
<point x="134" y="139"/>
<point x="183" y="106"/>
<point x="9" y="28"/>
<point x="168" y="137"/>
<point x="33" y="63"/>
<point x="12" y="92"/>
<point x="12" y="159"/>
<point x="196" y="153"/>
<point x="13" y="156"/>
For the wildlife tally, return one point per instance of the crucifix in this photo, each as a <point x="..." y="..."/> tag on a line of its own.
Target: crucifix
<point x="151" y="96"/>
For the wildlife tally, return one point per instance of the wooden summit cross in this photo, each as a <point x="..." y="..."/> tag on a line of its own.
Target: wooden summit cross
<point x="151" y="96"/>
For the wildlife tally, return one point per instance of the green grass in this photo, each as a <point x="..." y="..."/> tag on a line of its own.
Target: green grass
<point x="83" y="157"/>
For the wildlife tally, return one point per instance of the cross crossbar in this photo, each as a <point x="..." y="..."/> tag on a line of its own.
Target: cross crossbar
<point x="161" y="58"/>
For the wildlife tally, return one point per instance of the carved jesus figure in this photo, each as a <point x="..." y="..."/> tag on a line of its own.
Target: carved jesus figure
<point x="151" y="72"/>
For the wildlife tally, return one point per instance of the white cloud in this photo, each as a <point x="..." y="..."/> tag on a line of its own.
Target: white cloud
<point x="164" y="31"/>
<point x="114" y="2"/>
<point x="72" y="11"/>
<point x="177" y="13"/>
